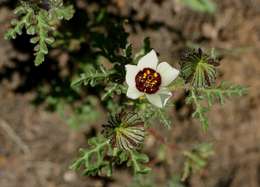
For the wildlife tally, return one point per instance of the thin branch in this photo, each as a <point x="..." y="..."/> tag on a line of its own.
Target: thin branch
<point x="15" y="138"/>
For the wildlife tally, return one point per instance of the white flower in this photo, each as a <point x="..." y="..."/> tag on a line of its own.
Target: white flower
<point x="150" y="79"/>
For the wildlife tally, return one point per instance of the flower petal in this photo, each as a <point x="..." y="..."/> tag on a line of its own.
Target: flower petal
<point x="160" y="98"/>
<point x="150" y="60"/>
<point x="167" y="72"/>
<point x="131" y="71"/>
<point x="133" y="93"/>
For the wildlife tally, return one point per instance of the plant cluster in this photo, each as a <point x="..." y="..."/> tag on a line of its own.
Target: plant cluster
<point x="40" y="20"/>
<point x="133" y="88"/>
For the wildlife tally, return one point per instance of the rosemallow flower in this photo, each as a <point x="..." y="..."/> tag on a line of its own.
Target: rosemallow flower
<point x="150" y="79"/>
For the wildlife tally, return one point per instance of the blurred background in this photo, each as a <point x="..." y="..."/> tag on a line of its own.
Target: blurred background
<point x="38" y="138"/>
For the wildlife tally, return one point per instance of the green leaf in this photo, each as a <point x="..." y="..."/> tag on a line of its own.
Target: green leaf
<point x="200" y="111"/>
<point x="128" y="50"/>
<point x="200" y="5"/>
<point x="93" y="159"/>
<point x="113" y="89"/>
<point x="137" y="161"/>
<point x="222" y="92"/>
<point x="62" y="12"/>
<point x="92" y="76"/>
<point x="212" y="94"/>
<point x="26" y="14"/>
<point x="40" y="23"/>
<point x="49" y="40"/>
<point x="42" y="29"/>
<point x="196" y="159"/>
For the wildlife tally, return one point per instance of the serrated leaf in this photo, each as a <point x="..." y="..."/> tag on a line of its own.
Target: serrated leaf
<point x="200" y="111"/>
<point x="92" y="159"/>
<point x="137" y="161"/>
<point x="31" y="30"/>
<point x="39" y="59"/>
<point x="34" y="40"/>
<point x="61" y="13"/>
<point x="92" y="76"/>
<point x="49" y="40"/>
<point x="221" y="92"/>
<point x="39" y="23"/>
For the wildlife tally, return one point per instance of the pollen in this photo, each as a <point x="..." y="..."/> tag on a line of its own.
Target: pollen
<point x="148" y="81"/>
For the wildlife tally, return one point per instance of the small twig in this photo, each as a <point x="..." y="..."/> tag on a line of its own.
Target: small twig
<point x="11" y="133"/>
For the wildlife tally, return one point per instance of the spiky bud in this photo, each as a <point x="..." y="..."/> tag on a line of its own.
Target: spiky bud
<point x="125" y="131"/>
<point x="198" y="68"/>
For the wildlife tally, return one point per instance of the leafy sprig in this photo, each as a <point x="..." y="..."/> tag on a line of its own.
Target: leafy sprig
<point x="200" y="111"/>
<point x="222" y="92"/>
<point x="137" y="161"/>
<point x="196" y="159"/>
<point x="93" y="159"/>
<point x="39" y="23"/>
<point x="93" y="76"/>
<point x="100" y="158"/>
<point x="211" y="95"/>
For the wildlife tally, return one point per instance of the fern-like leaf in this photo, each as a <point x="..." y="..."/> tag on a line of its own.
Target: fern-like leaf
<point x="200" y="110"/>
<point x="222" y="92"/>
<point x="137" y="161"/>
<point x="40" y="22"/>
<point x="93" y="159"/>
<point x="26" y="14"/>
<point x="92" y="76"/>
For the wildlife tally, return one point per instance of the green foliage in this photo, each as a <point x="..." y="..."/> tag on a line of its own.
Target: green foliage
<point x="196" y="159"/>
<point x="222" y="92"/>
<point x="93" y="76"/>
<point x="200" y="110"/>
<point x="210" y="95"/>
<point x="137" y="161"/>
<point x="100" y="158"/>
<point x="93" y="159"/>
<point x="151" y="114"/>
<point x="207" y="6"/>
<point x="40" y="24"/>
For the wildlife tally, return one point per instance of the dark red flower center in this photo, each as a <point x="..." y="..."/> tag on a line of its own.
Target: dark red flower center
<point x="148" y="81"/>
